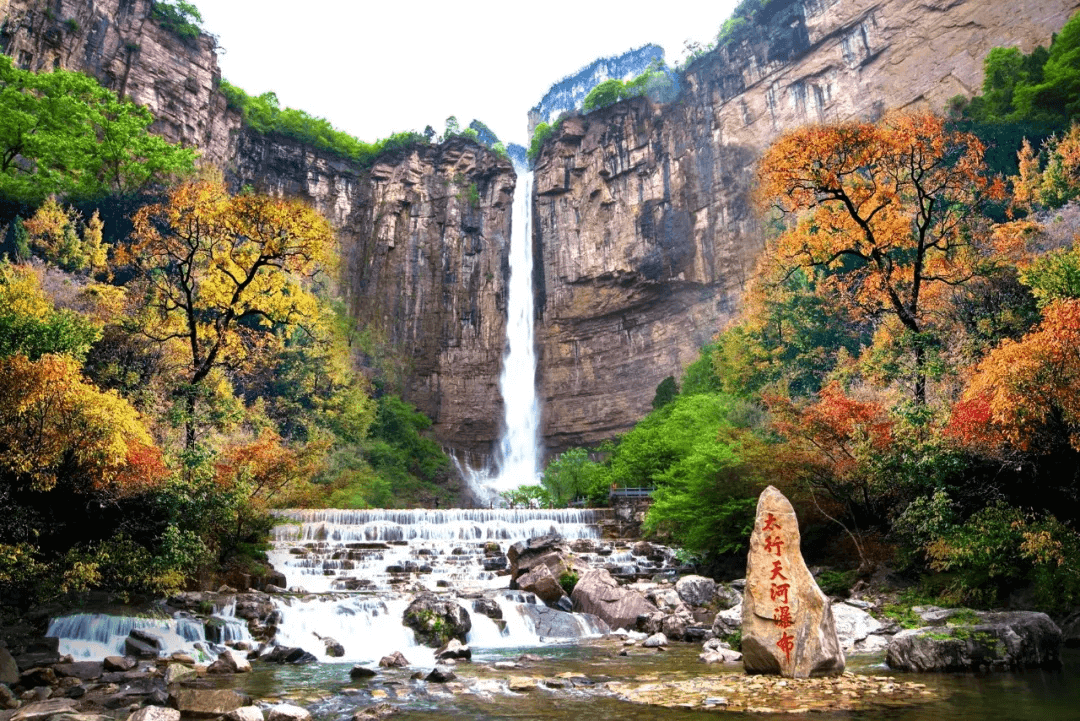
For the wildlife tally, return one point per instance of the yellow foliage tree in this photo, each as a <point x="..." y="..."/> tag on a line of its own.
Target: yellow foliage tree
<point x="54" y="232"/>
<point x="887" y="211"/>
<point x="56" y="426"/>
<point x="220" y="271"/>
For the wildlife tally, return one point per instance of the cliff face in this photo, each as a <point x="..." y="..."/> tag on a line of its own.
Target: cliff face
<point x="425" y="241"/>
<point x="644" y="234"/>
<point x="116" y="42"/>
<point x="424" y="235"/>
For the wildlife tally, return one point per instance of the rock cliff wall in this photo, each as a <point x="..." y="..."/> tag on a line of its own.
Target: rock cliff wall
<point x="424" y="234"/>
<point x="644" y="234"/>
<point x="118" y="43"/>
<point x="425" y="238"/>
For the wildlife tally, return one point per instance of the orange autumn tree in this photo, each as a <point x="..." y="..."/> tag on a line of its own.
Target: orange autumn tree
<point x="1025" y="394"/>
<point x="887" y="211"/>
<point x="219" y="272"/>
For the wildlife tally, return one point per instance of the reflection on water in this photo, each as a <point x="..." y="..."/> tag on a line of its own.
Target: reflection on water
<point x="327" y="691"/>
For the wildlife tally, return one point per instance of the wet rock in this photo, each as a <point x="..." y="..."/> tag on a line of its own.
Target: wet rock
<point x="1070" y="629"/>
<point x="379" y="711"/>
<point x="288" y="712"/>
<point x="551" y="623"/>
<point x="245" y="713"/>
<point x="333" y="648"/>
<point x="998" y="641"/>
<point x="696" y="590"/>
<point x="675" y="625"/>
<point x="441" y="674"/>
<point x="178" y="672"/>
<point x="8" y="699"/>
<point x="667" y="600"/>
<point x="119" y="663"/>
<point x="358" y="672"/>
<point x="394" y="660"/>
<point x="598" y="593"/>
<point x="155" y="713"/>
<point x="853" y="624"/>
<point x="543" y="583"/>
<point x="230" y="662"/>
<point x="726" y="597"/>
<point x="521" y="684"/>
<point x="720" y="655"/>
<point x="453" y="649"/>
<point x="41" y="710"/>
<point x="872" y="644"/>
<point x="436" y="620"/>
<point x="787" y="622"/>
<point x="202" y="703"/>
<point x="487" y="607"/>
<point x="729" y="621"/>
<point x="40" y="676"/>
<point x="714" y="644"/>
<point x="655" y="641"/>
<point x="289" y="654"/>
<point x="9" y="670"/>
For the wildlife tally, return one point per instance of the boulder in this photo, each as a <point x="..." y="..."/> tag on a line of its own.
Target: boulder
<point x="8" y="699"/>
<point x="487" y="607"/>
<point x="9" y="670"/>
<point x="155" y="713"/>
<point x="729" y="621"/>
<point x="333" y="648"/>
<point x="203" y="703"/>
<point x="289" y="654"/>
<point x="245" y="713"/>
<point x="1070" y="629"/>
<point x="726" y="596"/>
<point x="40" y="676"/>
<point x="230" y="662"/>
<point x="655" y="641"/>
<point x="436" y="620"/>
<point x="441" y="674"/>
<point x="543" y="583"/>
<point x="720" y="655"/>
<point x="453" y="649"/>
<point x="675" y="625"/>
<point x="358" y="672"/>
<point x="667" y="600"/>
<point x="696" y="590"/>
<point x="119" y="663"/>
<point x="787" y="622"/>
<point x="552" y="623"/>
<point x="394" y="660"/>
<point x="996" y="642"/>
<point x="178" y="672"/>
<point x="41" y="710"/>
<point x="853" y="624"/>
<point x="378" y="711"/>
<point x="288" y="712"/>
<point x="598" y="593"/>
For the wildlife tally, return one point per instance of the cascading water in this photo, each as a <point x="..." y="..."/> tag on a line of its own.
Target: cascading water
<point x="517" y="460"/>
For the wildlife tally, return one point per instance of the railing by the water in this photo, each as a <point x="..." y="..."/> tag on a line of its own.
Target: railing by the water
<point x="640" y="492"/>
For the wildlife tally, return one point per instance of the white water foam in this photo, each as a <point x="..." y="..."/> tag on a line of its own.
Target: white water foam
<point x="517" y="461"/>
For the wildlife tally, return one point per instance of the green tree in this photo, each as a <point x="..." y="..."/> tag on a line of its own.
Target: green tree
<point x="62" y="133"/>
<point x="570" y="475"/>
<point x="665" y="392"/>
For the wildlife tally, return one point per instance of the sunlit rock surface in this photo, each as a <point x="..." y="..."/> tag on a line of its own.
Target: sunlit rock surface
<point x="787" y="623"/>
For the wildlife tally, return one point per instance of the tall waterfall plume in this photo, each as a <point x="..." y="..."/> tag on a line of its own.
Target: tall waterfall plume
<point x="517" y="459"/>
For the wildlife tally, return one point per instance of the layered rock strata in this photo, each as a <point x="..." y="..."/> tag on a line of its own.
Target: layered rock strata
<point x="644" y="233"/>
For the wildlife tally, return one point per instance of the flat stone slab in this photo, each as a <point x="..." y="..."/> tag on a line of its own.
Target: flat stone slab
<point x="770" y="694"/>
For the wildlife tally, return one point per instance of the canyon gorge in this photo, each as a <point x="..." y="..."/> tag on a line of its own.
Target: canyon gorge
<point x="644" y="237"/>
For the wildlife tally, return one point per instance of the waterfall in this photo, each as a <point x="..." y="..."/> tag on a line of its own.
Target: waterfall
<point x="517" y="459"/>
<point x="373" y="550"/>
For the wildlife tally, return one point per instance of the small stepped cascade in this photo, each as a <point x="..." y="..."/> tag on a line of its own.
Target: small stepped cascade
<point x="380" y="550"/>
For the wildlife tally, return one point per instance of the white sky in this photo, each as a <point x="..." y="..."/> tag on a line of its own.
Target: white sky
<point x="374" y="67"/>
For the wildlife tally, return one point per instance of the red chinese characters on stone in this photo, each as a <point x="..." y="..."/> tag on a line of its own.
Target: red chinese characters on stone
<point x="778" y="592"/>
<point x="777" y="567"/>
<point x="770" y="523"/>
<point x="773" y="543"/>
<point x="782" y="616"/>
<point x="786" y="644"/>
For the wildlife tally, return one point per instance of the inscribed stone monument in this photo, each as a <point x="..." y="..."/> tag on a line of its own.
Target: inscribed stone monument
<point x="787" y="623"/>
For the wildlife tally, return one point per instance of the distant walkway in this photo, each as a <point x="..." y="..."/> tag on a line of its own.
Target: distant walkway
<point x="641" y="492"/>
